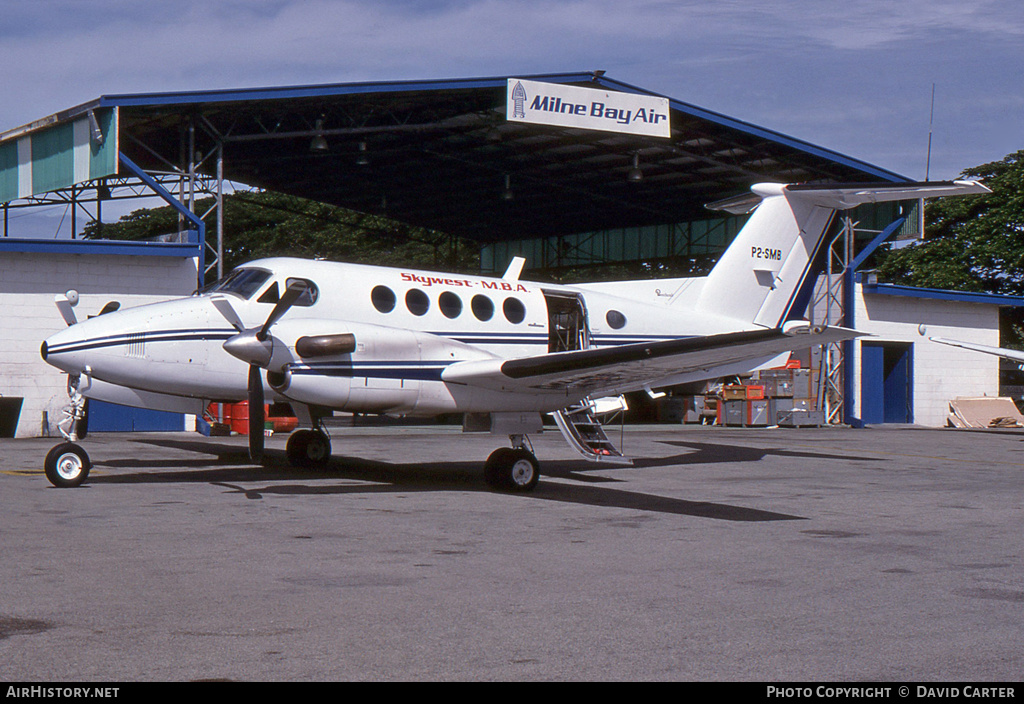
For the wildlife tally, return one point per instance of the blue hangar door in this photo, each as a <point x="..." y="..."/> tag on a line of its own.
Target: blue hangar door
<point x="885" y="382"/>
<point x="110" y="417"/>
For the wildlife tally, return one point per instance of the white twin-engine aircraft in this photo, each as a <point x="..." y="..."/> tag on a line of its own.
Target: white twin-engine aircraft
<point x="324" y="336"/>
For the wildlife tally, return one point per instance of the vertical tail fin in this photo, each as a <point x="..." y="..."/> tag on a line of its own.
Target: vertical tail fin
<point x="761" y="274"/>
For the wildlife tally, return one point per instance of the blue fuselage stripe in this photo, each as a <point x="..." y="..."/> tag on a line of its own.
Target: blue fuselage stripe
<point x="379" y="369"/>
<point x="147" y="337"/>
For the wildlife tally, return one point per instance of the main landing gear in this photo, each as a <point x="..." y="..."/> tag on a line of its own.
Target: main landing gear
<point x="308" y="448"/>
<point x="513" y="468"/>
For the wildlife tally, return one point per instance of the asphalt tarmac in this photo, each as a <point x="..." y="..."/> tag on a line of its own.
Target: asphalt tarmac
<point x="888" y="554"/>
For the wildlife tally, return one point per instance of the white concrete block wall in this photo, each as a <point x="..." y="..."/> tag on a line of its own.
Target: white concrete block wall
<point x="941" y="373"/>
<point x="28" y="283"/>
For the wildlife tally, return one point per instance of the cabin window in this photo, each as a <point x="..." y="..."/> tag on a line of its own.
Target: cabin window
<point x="515" y="311"/>
<point x="616" y="320"/>
<point x="383" y="299"/>
<point x="309" y="296"/>
<point x="417" y="302"/>
<point x="450" y="304"/>
<point x="483" y="307"/>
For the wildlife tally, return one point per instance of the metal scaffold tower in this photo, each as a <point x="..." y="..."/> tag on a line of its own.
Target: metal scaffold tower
<point x="833" y="304"/>
<point x="829" y="307"/>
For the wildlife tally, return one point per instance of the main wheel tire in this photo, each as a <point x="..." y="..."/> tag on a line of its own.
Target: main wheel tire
<point x="512" y="469"/>
<point x="67" y="465"/>
<point x="308" y="448"/>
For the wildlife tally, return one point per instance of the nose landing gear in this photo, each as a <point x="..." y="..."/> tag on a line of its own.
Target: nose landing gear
<point x="67" y="465"/>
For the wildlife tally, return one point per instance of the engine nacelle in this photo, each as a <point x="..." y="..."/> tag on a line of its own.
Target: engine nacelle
<point x="365" y="368"/>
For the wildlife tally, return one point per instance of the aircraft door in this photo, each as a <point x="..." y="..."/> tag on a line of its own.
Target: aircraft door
<point x="568" y="328"/>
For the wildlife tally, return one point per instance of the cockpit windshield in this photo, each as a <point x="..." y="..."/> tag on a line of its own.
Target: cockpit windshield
<point x="241" y="282"/>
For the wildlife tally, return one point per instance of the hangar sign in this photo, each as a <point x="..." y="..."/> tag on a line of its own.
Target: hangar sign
<point x="586" y="108"/>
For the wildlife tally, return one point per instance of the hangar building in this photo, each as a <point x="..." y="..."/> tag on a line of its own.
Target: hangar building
<point x="453" y="156"/>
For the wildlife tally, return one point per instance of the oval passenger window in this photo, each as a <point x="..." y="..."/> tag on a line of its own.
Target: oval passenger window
<point x="514" y="310"/>
<point x="615" y="319"/>
<point x="450" y="304"/>
<point x="483" y="307"/>
<point x="383" y="299"/>
<point x="417" y="302"/>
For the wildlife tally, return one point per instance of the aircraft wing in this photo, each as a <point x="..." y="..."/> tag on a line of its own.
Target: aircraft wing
<point x="1015" y="355"/>
<point x="612" y="370"/>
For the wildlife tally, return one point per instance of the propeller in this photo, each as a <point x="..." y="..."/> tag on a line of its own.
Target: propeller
<point x="256" y="418"/>
<point x="255" y="346"/>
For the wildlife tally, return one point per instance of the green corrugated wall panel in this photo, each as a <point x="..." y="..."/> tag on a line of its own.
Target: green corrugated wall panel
<point x="103" y="157"/>
<point x="53" y="159"/>
<point x="631" y="244"/>
<point x="58" y="157"/>
<point x="8" y="171"/>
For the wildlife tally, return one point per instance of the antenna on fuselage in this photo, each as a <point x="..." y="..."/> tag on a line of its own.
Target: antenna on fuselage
<point x="515" y="268"/>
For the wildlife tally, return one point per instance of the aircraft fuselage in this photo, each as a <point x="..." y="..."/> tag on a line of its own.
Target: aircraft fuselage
<point x="408" y="326"/>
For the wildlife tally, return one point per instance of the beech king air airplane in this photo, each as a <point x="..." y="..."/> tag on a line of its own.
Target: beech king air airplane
<point x="324" y="336"/>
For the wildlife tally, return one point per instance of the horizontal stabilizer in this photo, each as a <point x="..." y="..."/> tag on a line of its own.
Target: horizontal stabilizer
<point x="766" y="274"/>
<point x="842" y="197"/>
<point x="845" y="196"/>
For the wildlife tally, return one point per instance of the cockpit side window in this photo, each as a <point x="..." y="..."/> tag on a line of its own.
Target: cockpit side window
<point x="241" y="282"/>
<point x="273" y="295"/>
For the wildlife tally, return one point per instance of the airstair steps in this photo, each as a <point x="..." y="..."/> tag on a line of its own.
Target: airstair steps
<point x="584" y="432"/>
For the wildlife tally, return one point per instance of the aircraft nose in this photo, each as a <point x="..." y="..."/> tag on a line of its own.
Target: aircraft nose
<point x="63" y="350"/>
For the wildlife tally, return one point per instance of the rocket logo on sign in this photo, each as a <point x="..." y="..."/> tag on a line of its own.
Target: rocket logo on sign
<point x="519" y="99"/>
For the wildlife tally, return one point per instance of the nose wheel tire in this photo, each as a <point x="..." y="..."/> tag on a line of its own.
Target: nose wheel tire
<point x="512" y="469"/>
<point x="308" y="448"/>
<point x="67" y="465"/>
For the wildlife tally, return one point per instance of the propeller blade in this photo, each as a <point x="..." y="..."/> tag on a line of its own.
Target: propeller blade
<point x="223" y="306"/>
<point x="291" y="294"/>
<point x="66" y="303"/>
<point x="256" y="415"/>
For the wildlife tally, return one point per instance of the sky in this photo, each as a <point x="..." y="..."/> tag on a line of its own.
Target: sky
<point x="854" y="76"/>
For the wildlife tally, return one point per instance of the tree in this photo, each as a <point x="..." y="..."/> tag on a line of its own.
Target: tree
<point x="971" y="243"/>
<point x="266" y="224"/>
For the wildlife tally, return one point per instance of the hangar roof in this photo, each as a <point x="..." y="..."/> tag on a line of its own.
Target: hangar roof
<point x="441" y="154"/>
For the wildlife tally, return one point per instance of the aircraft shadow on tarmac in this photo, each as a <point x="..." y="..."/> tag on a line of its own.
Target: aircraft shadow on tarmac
<point x="706" y="453"/>
<point x="228" y="465"/>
